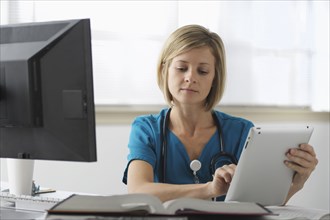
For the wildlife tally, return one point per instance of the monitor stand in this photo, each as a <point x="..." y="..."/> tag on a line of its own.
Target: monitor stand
<point x="20" y="176"/>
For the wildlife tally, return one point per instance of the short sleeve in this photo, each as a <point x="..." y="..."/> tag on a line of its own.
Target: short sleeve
<point x="141" y="143"/>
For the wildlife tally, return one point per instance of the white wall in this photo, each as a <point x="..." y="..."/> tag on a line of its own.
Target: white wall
<point x="105" y="176"/>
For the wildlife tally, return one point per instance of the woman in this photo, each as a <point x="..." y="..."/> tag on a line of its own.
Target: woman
<point x="191" y="75"/>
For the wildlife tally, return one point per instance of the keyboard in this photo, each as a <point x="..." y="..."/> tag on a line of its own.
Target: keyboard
<point x="37" y="203"/>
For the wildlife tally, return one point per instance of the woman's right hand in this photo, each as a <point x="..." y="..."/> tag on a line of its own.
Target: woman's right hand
<point x="222" y="179"/>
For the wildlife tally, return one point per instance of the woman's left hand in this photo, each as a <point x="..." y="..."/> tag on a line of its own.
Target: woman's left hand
<point x="303" y="161"/>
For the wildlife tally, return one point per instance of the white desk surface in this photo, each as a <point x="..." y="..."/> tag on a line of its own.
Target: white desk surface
<point x="285" y="212"/>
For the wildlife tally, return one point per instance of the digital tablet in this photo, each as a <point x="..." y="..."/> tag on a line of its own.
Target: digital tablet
<point x="261" y="175"/>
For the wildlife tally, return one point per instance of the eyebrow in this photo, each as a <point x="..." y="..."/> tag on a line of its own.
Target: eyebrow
<point x="183" y="61"/>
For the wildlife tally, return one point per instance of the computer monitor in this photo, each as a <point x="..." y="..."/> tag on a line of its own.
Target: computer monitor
<point x="46" y="91"/>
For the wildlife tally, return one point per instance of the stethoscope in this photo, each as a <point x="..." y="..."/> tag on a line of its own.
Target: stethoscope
<point x="195" y="165"/>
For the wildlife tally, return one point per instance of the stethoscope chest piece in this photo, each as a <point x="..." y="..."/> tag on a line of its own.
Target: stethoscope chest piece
<point x="195" y="165"/>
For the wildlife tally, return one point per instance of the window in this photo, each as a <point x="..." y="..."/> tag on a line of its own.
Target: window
<point x="277" y="51"/>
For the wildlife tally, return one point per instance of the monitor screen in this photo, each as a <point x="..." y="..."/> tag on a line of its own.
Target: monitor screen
<point x="46" y="91"/>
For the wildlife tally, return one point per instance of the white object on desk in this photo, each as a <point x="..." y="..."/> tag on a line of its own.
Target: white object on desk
<point x="40" y="202"/>
<point x="37" y="203"/>
<point x="20" y="176"/>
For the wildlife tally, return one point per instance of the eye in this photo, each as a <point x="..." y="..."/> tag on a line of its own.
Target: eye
<point x="181" y="69"/>
<point x="203" y="71"/>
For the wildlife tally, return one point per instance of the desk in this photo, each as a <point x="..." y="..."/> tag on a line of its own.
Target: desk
<point x="287" y="212"/>
<point x="7" y="213"/>
<point x="14" y="214"/>
<point x="10" y="213"/>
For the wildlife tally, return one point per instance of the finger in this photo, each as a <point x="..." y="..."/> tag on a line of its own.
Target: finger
<point x="301" y="162"/>
<point x="230" y="166"/>
<point x="225" y="172"/>
<point x="300" y="156"/>
<point x="229" y="169"/>
<point x="308" y="148"/>
<point x="295" y="167"/>
<point x="227" y="177"/>
<point x="298" y="169"/>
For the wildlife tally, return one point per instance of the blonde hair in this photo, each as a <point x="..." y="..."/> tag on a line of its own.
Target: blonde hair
<point x="184" y="39"/>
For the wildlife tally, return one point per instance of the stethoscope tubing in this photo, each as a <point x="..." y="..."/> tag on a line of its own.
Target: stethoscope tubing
<point x="163" y="140"/>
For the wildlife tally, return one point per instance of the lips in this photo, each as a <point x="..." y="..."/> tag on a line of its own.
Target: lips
<point x="188" y="90"/>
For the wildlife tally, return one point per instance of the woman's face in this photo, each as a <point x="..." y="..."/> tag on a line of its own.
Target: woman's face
<point x="190" y="76"/>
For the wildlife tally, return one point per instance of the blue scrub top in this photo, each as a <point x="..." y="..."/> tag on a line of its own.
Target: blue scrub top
<point x="145" y="144"/>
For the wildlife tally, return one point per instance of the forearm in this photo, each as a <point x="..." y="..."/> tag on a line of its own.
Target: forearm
<point x="167" y="192"/>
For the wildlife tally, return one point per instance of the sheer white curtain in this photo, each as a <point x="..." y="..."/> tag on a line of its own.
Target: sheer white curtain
<point x="277" y="51"/>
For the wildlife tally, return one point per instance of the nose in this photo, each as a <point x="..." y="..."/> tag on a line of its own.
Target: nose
<point x="190" y="77"/>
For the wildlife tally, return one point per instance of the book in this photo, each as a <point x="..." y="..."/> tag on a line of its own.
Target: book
<point x="145" y="204"/>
